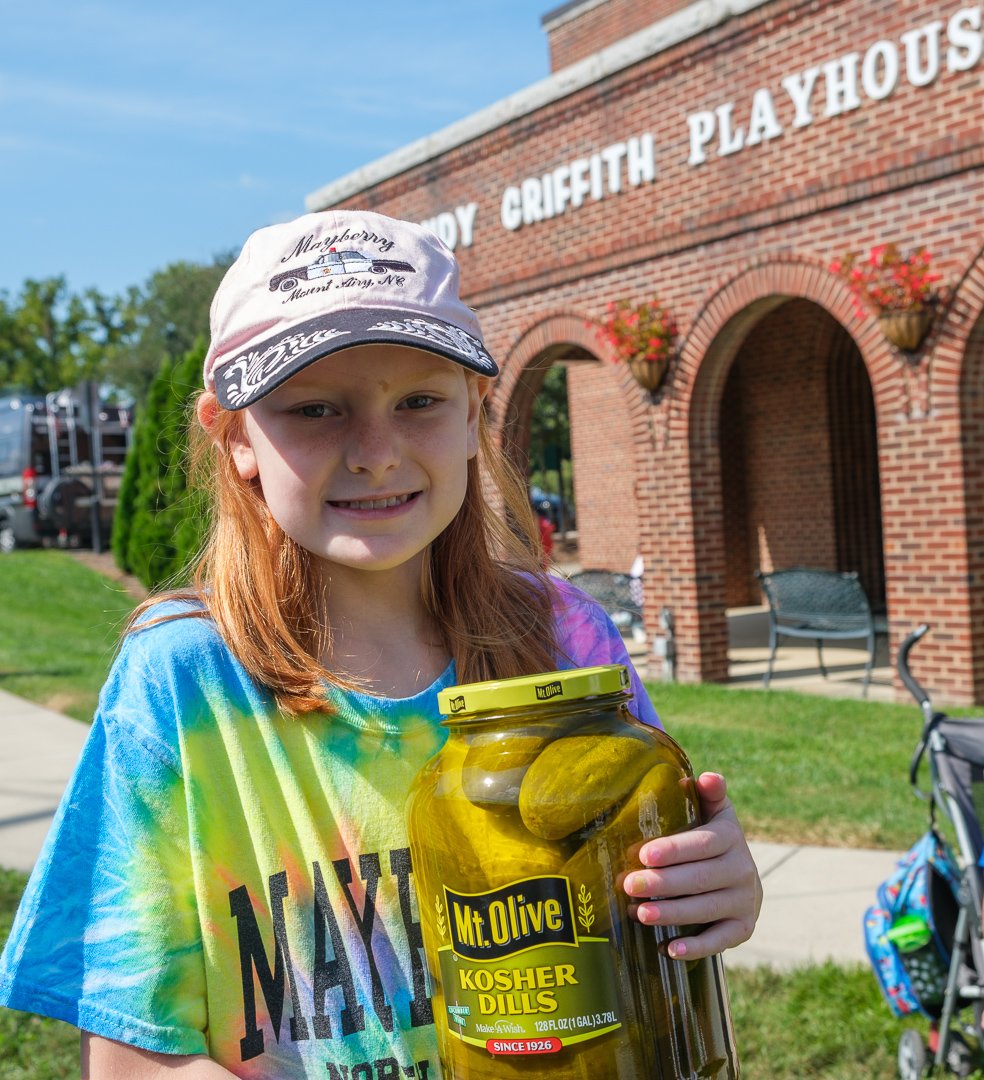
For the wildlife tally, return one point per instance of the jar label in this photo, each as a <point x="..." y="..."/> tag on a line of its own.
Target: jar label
<point x="520" y="972"/>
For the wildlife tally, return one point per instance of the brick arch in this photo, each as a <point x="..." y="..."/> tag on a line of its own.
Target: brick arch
<point x="727" y="316"/>
<point x="958" y="333"/>
<point x="962" y="348"/>
<point x="706" y="355"/>
<point x="551" y="331"/>
<point x="611" y="456"/>
<point x="553" y="337"/>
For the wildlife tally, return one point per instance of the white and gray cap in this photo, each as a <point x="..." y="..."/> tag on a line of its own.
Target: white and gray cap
<point x="327" y="282"/>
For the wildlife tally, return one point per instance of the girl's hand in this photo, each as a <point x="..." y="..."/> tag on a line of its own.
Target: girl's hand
<point x="705" y="876"/>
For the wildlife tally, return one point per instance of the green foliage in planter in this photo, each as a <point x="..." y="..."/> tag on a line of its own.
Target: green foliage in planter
<point x="160" y="522"/>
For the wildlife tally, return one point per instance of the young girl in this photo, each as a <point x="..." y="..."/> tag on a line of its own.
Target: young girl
<point x="227" y="888"/>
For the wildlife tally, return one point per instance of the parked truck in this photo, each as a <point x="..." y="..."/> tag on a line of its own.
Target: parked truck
<point x="61" y="461"/>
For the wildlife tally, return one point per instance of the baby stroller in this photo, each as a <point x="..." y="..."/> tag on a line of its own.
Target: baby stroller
<point x="940" y="973"/>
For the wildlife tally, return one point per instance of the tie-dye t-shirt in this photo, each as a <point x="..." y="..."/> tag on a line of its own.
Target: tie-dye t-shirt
<point x="222" y="879"/>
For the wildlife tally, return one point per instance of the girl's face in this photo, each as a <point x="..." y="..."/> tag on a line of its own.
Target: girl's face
<point x="362" y="457"/>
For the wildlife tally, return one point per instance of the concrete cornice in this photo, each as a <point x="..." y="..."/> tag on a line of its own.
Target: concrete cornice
<point x="698" y="18"/>
<point x="560" y="15"/>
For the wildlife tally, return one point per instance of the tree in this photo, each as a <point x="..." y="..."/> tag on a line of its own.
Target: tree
<point x="51" y="338"/>
<point x="167" y="316"/>
<point x="550" y="429"/>
<point x="160" y="521"/>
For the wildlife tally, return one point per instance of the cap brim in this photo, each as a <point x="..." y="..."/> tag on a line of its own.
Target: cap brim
<point x="267" y="364"/>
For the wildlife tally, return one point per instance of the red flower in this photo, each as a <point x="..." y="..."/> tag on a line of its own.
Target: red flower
<point x="887" y="280"/>
<point x="644" y="331"/>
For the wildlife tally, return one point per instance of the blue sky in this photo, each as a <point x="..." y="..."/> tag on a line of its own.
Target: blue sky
<point x="134" y="134"/>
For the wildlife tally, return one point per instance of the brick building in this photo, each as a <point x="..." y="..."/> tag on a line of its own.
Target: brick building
<point x="719" y="154"/>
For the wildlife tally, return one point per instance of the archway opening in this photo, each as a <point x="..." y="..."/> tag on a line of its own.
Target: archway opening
<point x="799" y="455"/>
<point x="600" y="476"/>
<point x="550" y="470"/>
<point x="536" y="436"/>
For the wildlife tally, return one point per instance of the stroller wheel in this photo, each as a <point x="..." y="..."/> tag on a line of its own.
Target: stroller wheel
<point x="912" y="1057"/>
<point x="960" y="1057"/>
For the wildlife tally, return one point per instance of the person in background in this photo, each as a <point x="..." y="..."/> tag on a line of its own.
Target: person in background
<point x="546" y="531"/>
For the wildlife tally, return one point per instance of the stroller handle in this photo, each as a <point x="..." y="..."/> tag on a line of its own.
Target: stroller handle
<point x="902" y="665"/>
<point x="914" y="688"/>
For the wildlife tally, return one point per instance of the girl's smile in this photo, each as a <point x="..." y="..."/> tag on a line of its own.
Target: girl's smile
<point x="362" y="458"/>
<point x="381" y="502"/>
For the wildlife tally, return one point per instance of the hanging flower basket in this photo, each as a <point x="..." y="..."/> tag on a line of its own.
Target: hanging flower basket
<point x="906" y="330"/>
<point x="649" y="374"/>
<point x="897" y="288"/>
<point x="642" y="337"/>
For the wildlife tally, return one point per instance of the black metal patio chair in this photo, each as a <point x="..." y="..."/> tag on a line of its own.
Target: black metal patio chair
<point x="824" y="605"/>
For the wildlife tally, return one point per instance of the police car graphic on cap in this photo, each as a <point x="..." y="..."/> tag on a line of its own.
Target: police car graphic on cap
<point x="335" y="262"/>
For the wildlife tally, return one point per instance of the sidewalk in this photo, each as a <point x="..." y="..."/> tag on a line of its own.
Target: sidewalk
<point x="814" y="897"/>
<point x="40" y="748"/>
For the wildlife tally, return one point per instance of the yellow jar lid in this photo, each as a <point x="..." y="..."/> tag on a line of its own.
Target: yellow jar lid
<point x="531" y="690"/>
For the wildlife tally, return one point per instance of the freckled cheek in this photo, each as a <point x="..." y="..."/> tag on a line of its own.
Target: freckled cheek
<point x="296" y="460"/>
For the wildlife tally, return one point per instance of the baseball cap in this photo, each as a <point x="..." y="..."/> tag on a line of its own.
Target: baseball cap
<point x="327" y="282"/>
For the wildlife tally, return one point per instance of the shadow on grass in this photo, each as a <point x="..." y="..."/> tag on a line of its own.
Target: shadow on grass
<point x="56" y="673"/>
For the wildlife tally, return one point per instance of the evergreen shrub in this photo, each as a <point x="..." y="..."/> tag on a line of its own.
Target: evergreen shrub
<point x="160" y="522"/>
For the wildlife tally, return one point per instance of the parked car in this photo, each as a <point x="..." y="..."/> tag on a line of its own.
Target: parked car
<point x="52" y="460"/>
<point x="553" y="508"/>
<point x="333" y="263"/>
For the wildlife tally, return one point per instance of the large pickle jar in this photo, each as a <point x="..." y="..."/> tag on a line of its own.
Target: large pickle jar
<point x="522" y="829"/>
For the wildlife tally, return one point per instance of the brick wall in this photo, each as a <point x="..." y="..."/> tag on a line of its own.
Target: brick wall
<point x="727" y="243"/>
<point x="778" y="455"/>
<point x="907" y="139"/>
<point x="603" y="450"/>
<point x="787" y="442"/>
<point x="572" y="39"/>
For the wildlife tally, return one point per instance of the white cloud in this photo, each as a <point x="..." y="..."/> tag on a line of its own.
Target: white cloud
<point x="15" y="143"/>
<point x="316" y="124"/>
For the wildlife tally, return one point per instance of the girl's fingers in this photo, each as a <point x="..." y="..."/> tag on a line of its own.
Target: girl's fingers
<point x="717" y="937"/>
<point x="706" y="934"/>
<point x="710" y="841"/>
<point x="701" y="939"/>
<point x="713" y="791"/>
<point x="703" y="879"/>
<point x="684" y="879"/>
<point x="693" y="911"/>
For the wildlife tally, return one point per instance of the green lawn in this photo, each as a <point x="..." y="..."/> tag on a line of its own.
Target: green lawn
<point x="800" y="768"/>
<point x="59" y="629"/>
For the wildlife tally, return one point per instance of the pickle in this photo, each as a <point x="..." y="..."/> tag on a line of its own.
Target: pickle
<point x="581" y="777"/>
<point x="478" y="849"/>
<point x="665" y="802"/>
<point x="495" y="765"/>
<point x="496" y="762"/>
<point x="512" y="853"/>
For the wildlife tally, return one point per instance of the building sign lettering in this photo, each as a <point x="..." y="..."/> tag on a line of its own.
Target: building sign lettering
<point x="454" y="227"/>
<point x="920" y="54"/>
<point x="829" y="89"/>
<point x="540" y="197"/>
